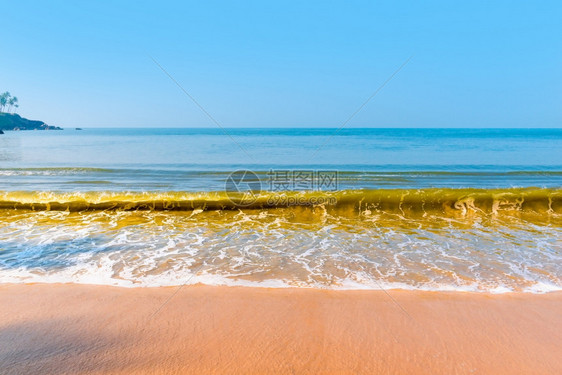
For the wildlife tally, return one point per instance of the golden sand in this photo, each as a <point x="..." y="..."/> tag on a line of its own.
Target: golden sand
<point x="82" y="329"/>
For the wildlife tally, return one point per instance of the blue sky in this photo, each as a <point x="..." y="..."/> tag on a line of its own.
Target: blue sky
<point x="285" y="64"/>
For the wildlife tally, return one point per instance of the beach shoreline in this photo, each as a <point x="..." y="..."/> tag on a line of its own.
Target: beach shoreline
<point x="88" y="329"/>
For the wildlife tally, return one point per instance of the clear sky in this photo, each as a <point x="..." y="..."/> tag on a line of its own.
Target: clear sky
<point x="283" y="63"/>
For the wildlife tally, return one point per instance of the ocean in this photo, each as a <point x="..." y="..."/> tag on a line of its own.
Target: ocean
<point x="429" y="209"/>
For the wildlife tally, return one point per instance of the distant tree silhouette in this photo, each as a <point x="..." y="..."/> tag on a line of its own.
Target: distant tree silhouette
<point x="4" y="100"/>
<point x="13" y="103"/>
<point x="7" y="100"/>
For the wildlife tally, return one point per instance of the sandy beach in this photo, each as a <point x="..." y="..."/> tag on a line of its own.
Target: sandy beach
<point x="83" y="329"/>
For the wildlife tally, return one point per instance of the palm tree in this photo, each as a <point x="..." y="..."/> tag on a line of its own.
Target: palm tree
<point x="13" y="102"/>
<point x="4" y="98"/>
<point x="7" y="100"/>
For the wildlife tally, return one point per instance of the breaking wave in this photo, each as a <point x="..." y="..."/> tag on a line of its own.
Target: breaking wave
<point x="447" y="201"/>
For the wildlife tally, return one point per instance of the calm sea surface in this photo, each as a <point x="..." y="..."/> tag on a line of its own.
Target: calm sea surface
<point x="182" y="159"/>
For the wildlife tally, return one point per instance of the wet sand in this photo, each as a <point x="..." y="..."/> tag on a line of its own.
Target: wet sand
<point x="82" y="329"/>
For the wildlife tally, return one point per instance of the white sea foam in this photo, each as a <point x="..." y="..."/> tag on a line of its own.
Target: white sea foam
<point x="136" y="249"/>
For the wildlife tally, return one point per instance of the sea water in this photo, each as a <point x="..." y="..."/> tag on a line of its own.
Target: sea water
<point x="431" y="209"/>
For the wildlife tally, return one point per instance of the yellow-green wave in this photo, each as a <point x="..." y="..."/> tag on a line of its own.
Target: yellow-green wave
<point x="445" y="201"/>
